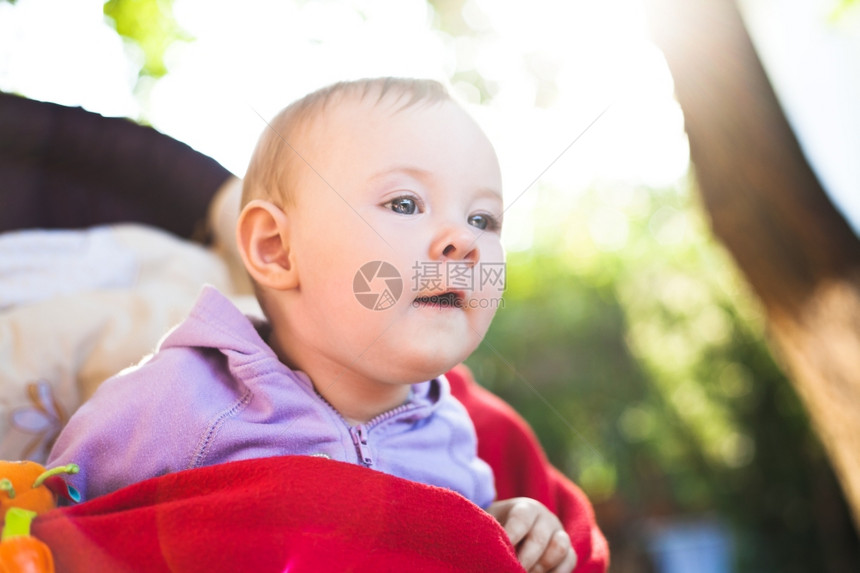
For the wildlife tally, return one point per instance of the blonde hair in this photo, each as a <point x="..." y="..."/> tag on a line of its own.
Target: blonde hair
<point x="274" y="159"/>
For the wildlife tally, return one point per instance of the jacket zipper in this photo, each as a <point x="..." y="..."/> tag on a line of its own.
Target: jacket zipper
<point x="359" y="438"/>
<point x="359" y="432"/>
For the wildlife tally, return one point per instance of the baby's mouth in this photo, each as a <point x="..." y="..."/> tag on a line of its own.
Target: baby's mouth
<point x="450" y="299"/>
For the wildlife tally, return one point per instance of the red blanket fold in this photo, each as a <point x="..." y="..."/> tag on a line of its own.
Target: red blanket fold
<point x="305" y="514"/>
<point x="293" y="513"/>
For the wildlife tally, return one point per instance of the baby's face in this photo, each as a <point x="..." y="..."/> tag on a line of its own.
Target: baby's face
<point x="395" y="233"/>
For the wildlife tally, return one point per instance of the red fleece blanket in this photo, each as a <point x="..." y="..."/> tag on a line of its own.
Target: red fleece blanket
<point x="305" y="514"/>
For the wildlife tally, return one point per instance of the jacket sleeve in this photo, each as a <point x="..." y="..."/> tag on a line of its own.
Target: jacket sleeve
<point x="134" y="427"/>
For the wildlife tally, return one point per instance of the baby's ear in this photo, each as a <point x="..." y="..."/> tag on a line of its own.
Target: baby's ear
<point x="262" y="235"/>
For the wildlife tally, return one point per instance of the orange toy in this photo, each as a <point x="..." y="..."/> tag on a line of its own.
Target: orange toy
<point x="27" y="489"/>
<point x="19" y="551"/>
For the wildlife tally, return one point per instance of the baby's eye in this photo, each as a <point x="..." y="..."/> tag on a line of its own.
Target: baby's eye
<point x="403" y="205"/>
<point x="484" y="222"/>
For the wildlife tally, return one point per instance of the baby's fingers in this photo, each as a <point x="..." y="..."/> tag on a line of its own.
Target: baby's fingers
<point x="521" y="518"/>
<point x="541" y="555"/>
<point x="560" y="546"/>
<point x="568" y="564"/>
<point x="542" y="545"/>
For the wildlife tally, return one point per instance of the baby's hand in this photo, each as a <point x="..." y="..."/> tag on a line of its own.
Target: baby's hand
<point x="541" y="542"/>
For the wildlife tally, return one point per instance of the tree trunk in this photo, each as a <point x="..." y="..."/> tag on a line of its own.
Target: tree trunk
<point x="768" y="208"/>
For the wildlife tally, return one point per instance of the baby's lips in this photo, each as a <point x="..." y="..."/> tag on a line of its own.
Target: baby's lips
<point x="449" y="297"/>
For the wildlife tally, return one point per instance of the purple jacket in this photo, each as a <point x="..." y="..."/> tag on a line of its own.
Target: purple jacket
<point x="215" y="392"/>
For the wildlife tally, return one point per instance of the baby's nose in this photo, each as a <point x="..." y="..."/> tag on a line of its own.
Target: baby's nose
<point x="458" y="244"/>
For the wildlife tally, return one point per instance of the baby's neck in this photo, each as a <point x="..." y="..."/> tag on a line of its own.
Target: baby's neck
<point x="359" y="404"/>
<point x="357" y="397"/>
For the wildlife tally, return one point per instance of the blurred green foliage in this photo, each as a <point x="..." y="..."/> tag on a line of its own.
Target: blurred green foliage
<point x="150" y="27"/>
<point x="449" y="19"/>
<point x="842" y="12"/>
<point x="630" y="344"/>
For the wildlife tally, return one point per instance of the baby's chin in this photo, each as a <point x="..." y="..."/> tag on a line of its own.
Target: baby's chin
<point x="411" y="370"/>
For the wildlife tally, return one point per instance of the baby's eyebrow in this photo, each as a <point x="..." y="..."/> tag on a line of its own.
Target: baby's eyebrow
<point x="490" y="192"/>
<point x="411" y="170"/>
<point x="426" y="175"/>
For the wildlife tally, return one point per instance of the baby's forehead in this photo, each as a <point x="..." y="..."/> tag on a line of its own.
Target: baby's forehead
<point x="371" y="115"/>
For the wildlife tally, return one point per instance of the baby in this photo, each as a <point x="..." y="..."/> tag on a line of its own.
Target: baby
<point x="370" y="228"/>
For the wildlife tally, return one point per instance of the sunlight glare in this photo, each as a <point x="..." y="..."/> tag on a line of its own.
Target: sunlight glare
<point x="552" y="73"/>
